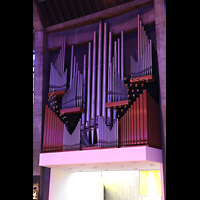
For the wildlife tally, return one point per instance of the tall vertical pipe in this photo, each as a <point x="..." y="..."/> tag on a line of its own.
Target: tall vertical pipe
<point x="84" y="93"/>
<point x="104" y="71"/>
<point x="58" y="68"/>
<point x="122" y="54"/>
<point x="88" y="90"/>
<point x="60" y="61"/>
<point x="88" y="85"/>
<point x="151" y="57"/>
<point x="72" y="56"/>
<point x="118" y="57"/>
<point x="118" y="67"/>
<point x="64" y="57"/>
<point x="98" y="106"/>
<point x="78" y="88"/>
<point x="113" y="78"/>
<point x="138" y="37"/>
<point x="76" y="83"/>
<point x="62" y="67"/>
<point x="114" y="89"/>
<point x="110" y="67"/>
<point x="148" y="57"/>
<point x="142" y="39"/>
<point x="93" y="77"/>
<point x="116" y="72"/>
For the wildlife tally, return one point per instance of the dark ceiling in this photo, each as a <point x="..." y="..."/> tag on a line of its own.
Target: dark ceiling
<point x="57" y="11"/>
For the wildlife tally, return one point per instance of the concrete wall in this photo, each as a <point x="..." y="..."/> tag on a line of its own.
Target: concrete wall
<point x="124" y="185"/>
<point x="80" y="185"/>
<point x="107" y="185"/>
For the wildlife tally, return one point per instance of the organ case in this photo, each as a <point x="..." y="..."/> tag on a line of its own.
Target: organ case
<point x="96" y="108"/>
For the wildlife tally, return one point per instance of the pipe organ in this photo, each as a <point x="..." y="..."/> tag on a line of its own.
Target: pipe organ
<point x="100" y="107"/>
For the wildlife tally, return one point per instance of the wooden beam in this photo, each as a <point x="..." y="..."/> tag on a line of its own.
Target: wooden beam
<point x="57" y="93"/>
<point x="142" y="79"/>
<point x="74" y="110"/>
<point x="116" y="104"/>
<point x="104" y="14"/>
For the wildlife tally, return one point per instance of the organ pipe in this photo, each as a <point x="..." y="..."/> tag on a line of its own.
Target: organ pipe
<point x="93" y="80"/>
<point x="84" y="93"/>
<point x="88" y="86"/>
<point x="118" y="58"/>
<point x="109" y="76"/>
<point x="104" y="88"/>
<point x="118" y="66"/>
<point x="122" y="54"/>
<point x="72" y="56"/>
<point x="138" y="37"/>
<point x="99" y="71"/>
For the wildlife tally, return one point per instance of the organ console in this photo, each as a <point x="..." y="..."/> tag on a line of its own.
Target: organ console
<point x="101" y="108"/>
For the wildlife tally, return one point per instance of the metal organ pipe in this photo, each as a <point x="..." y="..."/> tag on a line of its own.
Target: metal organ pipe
<point x="109" y="76"/>
<point x="88" y="90"/>
<point x="113" y="88"/>
<point x="118" y="57"/>
<point x="71" y="71"/>
<point x="104" y="71"/>
<point x="138" y="37"/>
<point x="93" y="80"/>
<point x="115" y="68"/>
<point x="84" y="93"/>
<point x="118" y="65"/>
<point x="150" y="56"/>
<point x="98" y="106"/>
<point x="122" y="54"/>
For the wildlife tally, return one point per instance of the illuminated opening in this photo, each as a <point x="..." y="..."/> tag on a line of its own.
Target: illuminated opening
<point x="150" y="182"/>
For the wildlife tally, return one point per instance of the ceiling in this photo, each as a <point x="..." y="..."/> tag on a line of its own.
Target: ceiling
<point x="58" y="11"/>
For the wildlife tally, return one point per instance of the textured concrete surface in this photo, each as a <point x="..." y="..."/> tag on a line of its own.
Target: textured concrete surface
<point x="38" y="85"/>
<point x="161" y="52"/>
<point x="84" y="34"/>
<point x="124" y="185"/>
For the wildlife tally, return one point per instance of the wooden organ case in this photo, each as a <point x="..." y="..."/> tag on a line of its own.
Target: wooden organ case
<point x="101" y="108"/>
